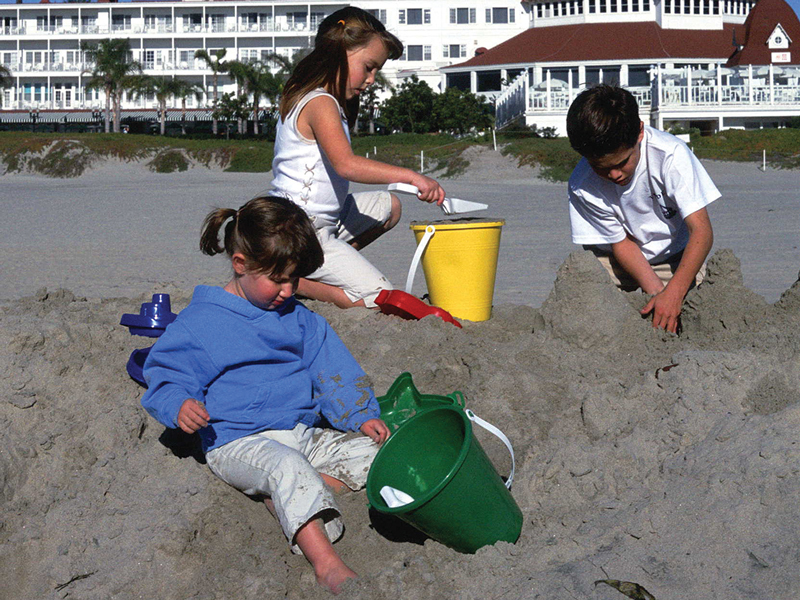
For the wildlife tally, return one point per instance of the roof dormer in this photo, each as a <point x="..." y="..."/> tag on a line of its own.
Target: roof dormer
<point x="778" y="39"/>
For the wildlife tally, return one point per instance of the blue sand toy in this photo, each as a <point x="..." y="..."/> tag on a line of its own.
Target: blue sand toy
<point x="151" y="321"/>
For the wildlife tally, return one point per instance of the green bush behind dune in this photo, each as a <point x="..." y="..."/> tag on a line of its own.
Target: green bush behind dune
<point x="69" y="155"/>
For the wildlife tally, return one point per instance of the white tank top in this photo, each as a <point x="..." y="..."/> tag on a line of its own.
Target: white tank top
<point x="301" y="171"/>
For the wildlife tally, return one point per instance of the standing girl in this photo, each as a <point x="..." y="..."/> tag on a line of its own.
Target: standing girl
<point x="314" y="162"/>
<point x="256" y="374"/>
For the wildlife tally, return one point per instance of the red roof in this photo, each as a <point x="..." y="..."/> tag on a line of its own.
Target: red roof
<point x="609" y="42"/>
<point x="760" y="24"/>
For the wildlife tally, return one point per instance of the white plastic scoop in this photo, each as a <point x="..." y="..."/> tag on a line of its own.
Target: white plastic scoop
<point x="450" y="206"/>
<point x="394" y="497"/>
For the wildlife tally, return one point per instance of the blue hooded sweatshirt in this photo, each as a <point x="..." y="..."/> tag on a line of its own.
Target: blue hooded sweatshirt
<point x="254" y="369"/>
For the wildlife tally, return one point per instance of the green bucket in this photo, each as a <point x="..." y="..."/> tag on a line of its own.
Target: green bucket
<point x="458" y="497"/>
<point x="403" y="401"/>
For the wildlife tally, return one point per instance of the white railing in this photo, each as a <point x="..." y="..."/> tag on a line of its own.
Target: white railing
<point x="512" y="101"/>
<point x="159" y="29"/>
<point x="729" y="95"/>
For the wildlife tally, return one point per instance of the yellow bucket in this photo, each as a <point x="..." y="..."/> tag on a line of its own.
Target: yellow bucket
<point x="460" y="264"/>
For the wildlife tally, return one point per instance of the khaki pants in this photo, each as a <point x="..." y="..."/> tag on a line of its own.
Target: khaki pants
<point x="626" y="283"/>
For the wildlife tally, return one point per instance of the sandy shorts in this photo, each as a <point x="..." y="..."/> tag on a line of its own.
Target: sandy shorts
<point x="344" y="266"/>
<point x="285" y="466"/>
<point x="626" y="283"/>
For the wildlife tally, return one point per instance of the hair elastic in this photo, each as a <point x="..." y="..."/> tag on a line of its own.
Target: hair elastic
<point x="341" y="21"/>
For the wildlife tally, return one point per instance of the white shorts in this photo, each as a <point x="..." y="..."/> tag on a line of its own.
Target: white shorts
<point x="285" y="465"/>
<point x="344" y="266"/>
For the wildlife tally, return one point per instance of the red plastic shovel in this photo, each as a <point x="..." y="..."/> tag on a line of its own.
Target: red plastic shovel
<point x="403" y="304"/>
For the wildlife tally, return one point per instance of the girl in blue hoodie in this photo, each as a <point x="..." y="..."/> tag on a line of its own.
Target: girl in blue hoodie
<point x="256" y="374"/>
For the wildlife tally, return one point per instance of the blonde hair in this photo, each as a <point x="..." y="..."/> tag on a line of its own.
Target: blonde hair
<point x="326" y="66"/>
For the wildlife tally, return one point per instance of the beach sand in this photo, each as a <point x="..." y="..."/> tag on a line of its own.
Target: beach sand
<point x="669" y="461"/>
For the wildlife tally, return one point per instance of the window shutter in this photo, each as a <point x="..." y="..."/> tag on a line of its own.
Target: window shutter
<point x="472" y="15"/>
<point x="488" y="15"/>
<point x="402" y="16"/>
<point x="427" y="18"/>
<point x="445" y="51"/>
<point x="452" y="15"/>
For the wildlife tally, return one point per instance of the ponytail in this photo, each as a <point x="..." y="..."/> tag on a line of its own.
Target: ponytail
<point x="209" y="239"/>
<point x="273" y="234"/>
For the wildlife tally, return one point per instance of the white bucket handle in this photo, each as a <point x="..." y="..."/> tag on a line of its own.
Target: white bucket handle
<point x="492" y="429"/>
<point x="423" y="243"/>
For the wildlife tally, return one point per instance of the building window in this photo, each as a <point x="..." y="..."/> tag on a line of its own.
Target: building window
<point x="417" y="53"/>
<point x="489" y="81"/>
<point x="603" y="6"/>
<point x="613" y="6"/>
<point x="667" y="6"/>
<point x="121" y="22"/>
<point x="454" y="51"/>
<point x="500" y="15"/>
<point x="378" y="13"/>
<point x="415" y="16"/>
<point x="593" y="6"/>
<point x="624" y="5"/>
<point x="462" y="16"/>
<point x="297" y="20"/>
<point x="460" y="81"/>
<point x="638" y="76"/>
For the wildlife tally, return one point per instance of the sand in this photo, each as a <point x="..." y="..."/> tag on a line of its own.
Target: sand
<point x="667" y="460"/>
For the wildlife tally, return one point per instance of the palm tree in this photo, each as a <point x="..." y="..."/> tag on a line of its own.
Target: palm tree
<point x="111" y="72"/>
<point x="162" y="88"/>
<point x="5" y="80"/>
<point x="217" y="66"/>
<point x="258" y="81"/>
<point x="183" y="90"/>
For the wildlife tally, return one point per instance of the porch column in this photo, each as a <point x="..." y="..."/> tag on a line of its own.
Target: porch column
<point x="548" y="89"/>
<point x="771" y="84"/>
<point x="473" y="82"/>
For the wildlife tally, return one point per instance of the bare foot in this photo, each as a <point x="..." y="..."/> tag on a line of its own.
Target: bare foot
<point x="331" y="577"/>
<point x="337" y="486"/>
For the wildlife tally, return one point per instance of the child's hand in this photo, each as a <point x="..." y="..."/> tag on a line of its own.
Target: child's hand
<point x="376" y="430"/>
<point x="429" y="189"/>
<point x="192" y="416"/>
<point x="666" y="309"/>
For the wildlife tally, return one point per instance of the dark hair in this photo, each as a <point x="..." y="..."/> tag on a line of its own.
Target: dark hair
<point x="603" y="120"/>
<point x="326" y="65"/>
<point x="273" y="234"/>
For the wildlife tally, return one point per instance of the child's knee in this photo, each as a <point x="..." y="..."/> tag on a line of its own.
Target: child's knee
<point x="395" y="213"/>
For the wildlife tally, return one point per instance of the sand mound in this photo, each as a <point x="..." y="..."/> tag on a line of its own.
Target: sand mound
<point x="670" y="461"/>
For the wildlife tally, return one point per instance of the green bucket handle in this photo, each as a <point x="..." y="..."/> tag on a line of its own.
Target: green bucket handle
<point x="502" y="436"/>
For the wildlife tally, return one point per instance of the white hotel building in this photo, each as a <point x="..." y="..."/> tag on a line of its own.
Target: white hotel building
<point x="711" y="64"/>
<point x="39" y="43"/>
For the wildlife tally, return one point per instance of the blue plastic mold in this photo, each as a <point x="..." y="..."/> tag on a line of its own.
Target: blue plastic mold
<point x="151" y="321"/>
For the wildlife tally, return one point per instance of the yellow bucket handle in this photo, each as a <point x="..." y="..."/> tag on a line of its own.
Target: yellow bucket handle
<point x="423" y="243"/>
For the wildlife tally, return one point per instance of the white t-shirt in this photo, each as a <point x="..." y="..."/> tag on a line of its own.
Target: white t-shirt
<point x="669" y="184"/>
<point x="301" y="171"/>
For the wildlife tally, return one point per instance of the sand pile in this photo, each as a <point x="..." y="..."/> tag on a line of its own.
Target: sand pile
<point x="669" y="461"/>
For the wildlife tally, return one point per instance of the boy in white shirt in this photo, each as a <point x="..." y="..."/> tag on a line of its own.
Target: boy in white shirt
<point x="637" y="200"/>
